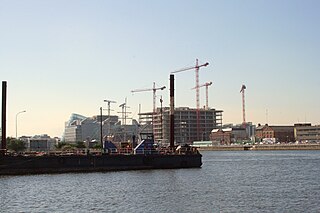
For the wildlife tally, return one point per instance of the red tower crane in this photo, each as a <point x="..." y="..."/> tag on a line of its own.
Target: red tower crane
<point x="196" y="68"/>
<point x="207" y="93"/>
<point x="243" y="105"/>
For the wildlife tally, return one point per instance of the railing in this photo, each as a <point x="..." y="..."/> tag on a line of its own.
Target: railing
<point x="113" y="151"/>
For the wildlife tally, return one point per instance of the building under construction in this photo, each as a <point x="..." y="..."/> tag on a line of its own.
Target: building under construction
<point x="185" y="127"/>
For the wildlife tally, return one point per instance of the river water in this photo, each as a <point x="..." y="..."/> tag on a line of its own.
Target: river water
<point x="240" y="181"/>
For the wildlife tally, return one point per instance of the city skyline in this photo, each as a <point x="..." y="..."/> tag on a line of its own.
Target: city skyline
<point x="68" y="57"/>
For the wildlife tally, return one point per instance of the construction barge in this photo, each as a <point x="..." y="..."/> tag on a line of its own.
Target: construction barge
<point x="97" y="162"/>
<point x="144" y="155"/>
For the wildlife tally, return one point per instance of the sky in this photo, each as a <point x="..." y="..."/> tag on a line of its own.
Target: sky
<point x="61" y="57"/>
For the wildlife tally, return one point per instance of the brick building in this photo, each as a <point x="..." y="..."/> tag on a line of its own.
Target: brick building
<point x="279" y="133"/>
<point x="227" y="136"/>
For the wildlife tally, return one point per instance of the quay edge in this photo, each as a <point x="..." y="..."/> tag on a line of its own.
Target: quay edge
<point x="262" y="147"/>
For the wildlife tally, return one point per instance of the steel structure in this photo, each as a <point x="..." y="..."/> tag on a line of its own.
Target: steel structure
<point x="196" y="68"/>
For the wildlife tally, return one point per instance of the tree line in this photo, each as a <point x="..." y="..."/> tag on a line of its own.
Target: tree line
<point x="17" y="145"/>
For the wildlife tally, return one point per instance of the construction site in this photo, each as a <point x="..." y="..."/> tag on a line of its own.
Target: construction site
<point x="190" y="124"/>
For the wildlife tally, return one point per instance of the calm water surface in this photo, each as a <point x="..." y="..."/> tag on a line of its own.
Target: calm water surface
<point x="243" y="181"/>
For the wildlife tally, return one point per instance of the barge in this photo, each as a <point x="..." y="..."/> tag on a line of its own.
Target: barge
<point x="48" y="164"/>
<point x="172" y="158"/>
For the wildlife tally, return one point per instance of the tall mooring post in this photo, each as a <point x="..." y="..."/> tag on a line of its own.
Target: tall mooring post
<point x="101" y="133"/>
<point x="172" y="111"/>
<point x="4" y="118"/>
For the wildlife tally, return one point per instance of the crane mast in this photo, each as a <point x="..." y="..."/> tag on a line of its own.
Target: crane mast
<point x="196" y="68"/>
<point x="207" y="95"/>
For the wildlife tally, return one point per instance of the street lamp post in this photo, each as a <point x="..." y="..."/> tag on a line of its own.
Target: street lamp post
<point x="17" y="122"/>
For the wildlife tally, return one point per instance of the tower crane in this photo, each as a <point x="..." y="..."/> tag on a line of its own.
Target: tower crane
<point x="108" y="103"/>
<point x="154" y="89"/>
<point x="124" y="119"/>
<point x="207" y="93"/>
<point x="243" y="87"/>
<point x="196" y="68"/>
<point x="124" y="112"/>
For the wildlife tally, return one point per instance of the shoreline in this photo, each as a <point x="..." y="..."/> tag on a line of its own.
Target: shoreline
<point x="261" y="147"/>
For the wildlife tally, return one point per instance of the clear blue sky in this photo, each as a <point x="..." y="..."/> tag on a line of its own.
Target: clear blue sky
<point x="60" y="57"/>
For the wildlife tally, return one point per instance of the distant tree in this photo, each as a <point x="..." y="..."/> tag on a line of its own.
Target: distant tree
<point x="97" y="146"/>
<point x="68" y="147"/>
<point x="80" y="145"/>
<point x="60" y="145"/>
<point x="15" y="145"/>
